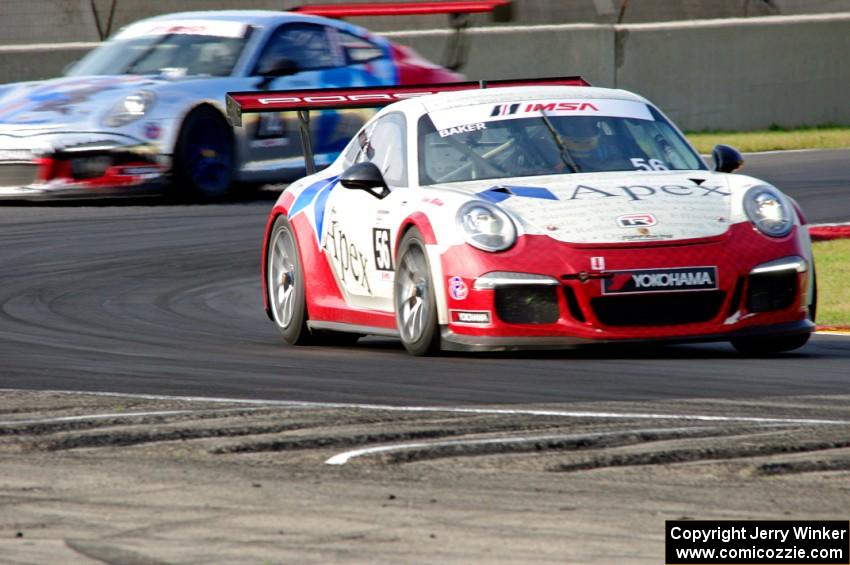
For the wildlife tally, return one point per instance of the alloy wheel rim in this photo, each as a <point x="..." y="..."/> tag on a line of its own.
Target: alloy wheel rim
<point x="282" y="279"/>
<point x="209" y="159"/>
<point x="413" y="295"/>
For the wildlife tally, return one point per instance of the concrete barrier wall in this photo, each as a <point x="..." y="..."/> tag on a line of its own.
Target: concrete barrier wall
<point x="35" y="62"/>
<point x="29" y="21"/>
<point x="521" y="52"/>
<point x="741" y="74"/>
<point x="733" y="74"/>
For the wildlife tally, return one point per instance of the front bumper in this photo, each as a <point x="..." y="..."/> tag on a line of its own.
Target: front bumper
<point x="570" y="305"/>
<point x="79" y="165"/>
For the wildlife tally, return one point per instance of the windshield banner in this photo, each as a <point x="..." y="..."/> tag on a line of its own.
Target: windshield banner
<point x="185" y="27"/>
<point x="469" y="116"/>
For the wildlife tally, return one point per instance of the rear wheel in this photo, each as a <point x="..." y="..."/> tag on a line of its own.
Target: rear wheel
<point x="286" y="283"/>
<point x="414" y="298"/>
<point x="204" y="156"/>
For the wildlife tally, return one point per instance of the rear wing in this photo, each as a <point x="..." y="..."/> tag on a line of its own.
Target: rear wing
<point x="303" y="101"/>
<point x="454" y="56"/>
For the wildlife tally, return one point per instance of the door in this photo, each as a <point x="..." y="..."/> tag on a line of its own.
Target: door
<point x="357" y="237"/>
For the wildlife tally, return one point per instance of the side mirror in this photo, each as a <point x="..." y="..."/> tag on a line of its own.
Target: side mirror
<point x="277" y="67"/>
<point x="726" y="159"/>
<point x="365" y="176"/>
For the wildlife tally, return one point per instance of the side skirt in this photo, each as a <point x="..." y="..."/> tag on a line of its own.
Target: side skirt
<point x="351" y="328"/>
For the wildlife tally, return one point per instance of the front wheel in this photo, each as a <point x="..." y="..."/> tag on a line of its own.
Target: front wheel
<point x="204" y="156"/>
<point x="414" y="298"/>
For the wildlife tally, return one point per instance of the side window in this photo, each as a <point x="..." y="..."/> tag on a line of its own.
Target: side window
<point x="383" y="142"/>
<point x="358" y="50"/>
<point x="305" y="44"/>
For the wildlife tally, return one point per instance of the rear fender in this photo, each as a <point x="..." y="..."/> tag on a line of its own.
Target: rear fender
<point x="281" y="208"/>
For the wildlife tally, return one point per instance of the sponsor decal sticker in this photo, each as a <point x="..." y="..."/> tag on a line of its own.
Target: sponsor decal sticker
<point x="636" y="221"/>
<point x="383" y="254"/>
<point x="351" y="261"/>
<point x="504" y="110"/>
<point x="645" y="235"/>
<point x="462" y="129"/>
<point x="470" y="317"/>
<point x="215" y="28"/>
<point x="560" y="107"/>
<point x="342" y="98"/>
<point x="660" y="280"/>
<point x="635" y="192"/>
<point x="488" y="113"/>
<point x="458" y="289"/>
<point x="152" y="130"/>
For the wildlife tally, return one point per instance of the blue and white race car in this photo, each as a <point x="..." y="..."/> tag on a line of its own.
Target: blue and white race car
<point x="144" y="111"/>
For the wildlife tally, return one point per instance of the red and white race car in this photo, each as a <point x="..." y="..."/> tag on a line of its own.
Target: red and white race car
<point x="512" y="216"/>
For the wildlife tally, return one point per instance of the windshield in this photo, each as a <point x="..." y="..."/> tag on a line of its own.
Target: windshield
<point x="177" y="50"/>
<point x="548" y="137"/>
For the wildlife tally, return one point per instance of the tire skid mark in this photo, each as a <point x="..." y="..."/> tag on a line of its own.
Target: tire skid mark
<point x="426" y="430"/>
<point x="688" y="455"/>
<point x="800" y="467"/>
<point x="411" y="452"/>
<point x="152" y="429"/>
<point x="85" y="421"/>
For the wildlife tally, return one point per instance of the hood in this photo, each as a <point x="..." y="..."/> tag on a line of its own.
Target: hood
<point x="57" y="103"/>
<point x="617" y="207"/>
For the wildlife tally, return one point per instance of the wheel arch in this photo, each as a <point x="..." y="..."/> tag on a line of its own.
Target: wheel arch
<point x="421" y="222"/>
<point x="189" y="110"/>
<point x="281" y="208"/>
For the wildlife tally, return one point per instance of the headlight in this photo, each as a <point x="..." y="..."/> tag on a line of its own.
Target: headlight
<point x="486" y="226"/>
<point x="768" y="211"/>
<point x="131" y="108"/>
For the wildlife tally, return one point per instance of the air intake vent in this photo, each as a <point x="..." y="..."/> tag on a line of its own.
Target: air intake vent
<point x="658" y="309"/>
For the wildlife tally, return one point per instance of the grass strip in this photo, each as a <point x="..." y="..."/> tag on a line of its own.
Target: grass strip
<point x="832" y="262"/>
<point x="825" y="137"/>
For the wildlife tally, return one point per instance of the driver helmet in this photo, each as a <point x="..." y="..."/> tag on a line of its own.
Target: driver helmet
<point x="581" y="136"/>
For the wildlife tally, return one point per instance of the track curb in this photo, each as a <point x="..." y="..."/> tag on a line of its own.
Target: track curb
<point x="839" y="329"/>
<point x="827" y="232"/>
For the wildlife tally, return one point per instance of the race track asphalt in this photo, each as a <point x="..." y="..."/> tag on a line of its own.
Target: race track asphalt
<point x="143" y="297"/>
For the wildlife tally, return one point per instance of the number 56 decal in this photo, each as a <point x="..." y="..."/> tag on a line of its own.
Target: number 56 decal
<point x="649" y="165"/>
<point x="383" y="252"/>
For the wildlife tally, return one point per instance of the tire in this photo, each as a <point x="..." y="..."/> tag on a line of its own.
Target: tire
<point x="204" y="156"/>
<point x="770" y="345"/>
<point x="285" y="286"/>
<point x="414" y="298"/>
